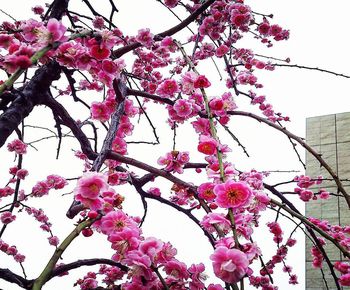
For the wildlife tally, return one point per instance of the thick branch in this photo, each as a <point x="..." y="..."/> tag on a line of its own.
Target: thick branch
<point x="11" y="277"/>
<point x="47" y="272"/>
<point x="30" y="95"/>
<point x="58" y="8"/>
<point x="120" y="92"/>
<point x="86" y="262"/>
<point x="68" y="121"/>
<point x="149" y="168"/>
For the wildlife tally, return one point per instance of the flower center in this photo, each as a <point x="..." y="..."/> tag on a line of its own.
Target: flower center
<point x="119" y="224"/>
<point x="233" y="195"/>
<point x="94" y="188"/>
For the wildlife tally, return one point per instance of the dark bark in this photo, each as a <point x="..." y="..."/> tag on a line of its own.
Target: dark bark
<point x="30" y="95"/>
<point x="11" y="277"/>
<point x="58" y="8"/>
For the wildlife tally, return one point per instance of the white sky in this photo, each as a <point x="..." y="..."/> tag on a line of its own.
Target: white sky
<point x="319" y="37"/>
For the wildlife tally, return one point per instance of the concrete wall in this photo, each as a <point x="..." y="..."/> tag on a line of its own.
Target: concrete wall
<point x="330" y="136"/>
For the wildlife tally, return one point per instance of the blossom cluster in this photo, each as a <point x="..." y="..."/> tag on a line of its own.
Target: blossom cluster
<point x="233" y="200"/>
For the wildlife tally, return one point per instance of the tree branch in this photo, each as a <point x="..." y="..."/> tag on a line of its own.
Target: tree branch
<point x="26" y="98"/>
<point x="125" y="49"/>
<point x="303" y="144"/>
<point x="11" y="277"/>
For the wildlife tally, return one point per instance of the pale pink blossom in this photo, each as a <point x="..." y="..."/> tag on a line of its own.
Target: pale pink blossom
<point x="230" y="265"/>
<point x="177" y="269"/>
<point x="145" y="37"/>
<point x="124" y="241"/>
<point x="216" y="219"/>
<point x="91" y="184"/>
<point x="56" y="181"/>
<point x="187" y="82"/>
<point x="116" y="221"/>
<point x="151" y="247"/>
<point x="183" y="108"/>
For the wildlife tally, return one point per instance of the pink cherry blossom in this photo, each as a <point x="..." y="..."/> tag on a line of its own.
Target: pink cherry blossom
<point x="230" y="265"/>
<point x="207" y="145"/>
<point x="216" y="219"/>
<point x="145" y="37"/>
<point x="197" y="276"/>
<point x="99" y="52"/>
<point x="99" y="111"/>
<point x="22" y="173"/>
<point x="168" y="88"/>
<point x="183" y="108"/>
<point x="151" y="247"/>
<point x="98" y="22"/>
<point x="56" y="181"/>
<point x="174" y="161"/>
<point x="187" y="82"/>
<point x="7" y="217"/>
<point x="215" y="287"/>
<point x="91" y="184"/>
<point x="17" y="146"/>
<point x="137" y="258"/>
<point x="56" y="30"/>
<point x="344" y="280"/>
<point x="116" y="221"/>
<point x="232" y="194"/>
<point x="202" y="126"/>
<point x="201" y="82"/>
<point x="221" y="50"/>
<point x="53" y="241"/>
<point x="38" y="9"/>
<point x="167" y="253"/>
<point x="177" y="269"/>
<point x="19" y="258"/>
<point x="206" y="191"/>
<point x="40" y="189"/>
<point x="124" y="241"/>
<point x="171" y="3"/>
<point x="154" y="191"/>
<point x="119" y="146"/>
